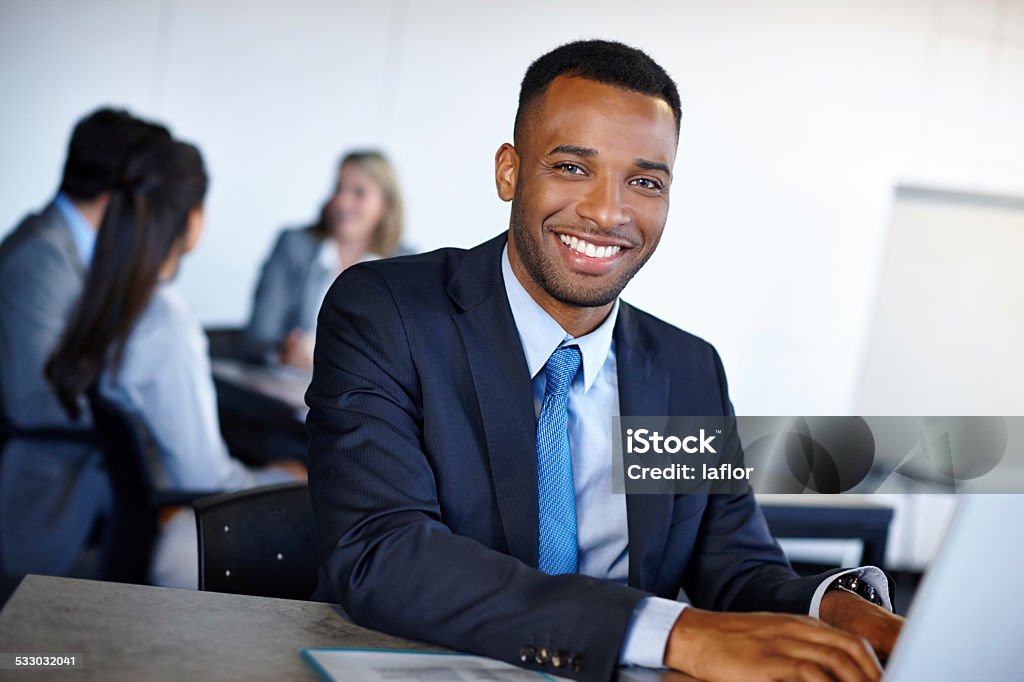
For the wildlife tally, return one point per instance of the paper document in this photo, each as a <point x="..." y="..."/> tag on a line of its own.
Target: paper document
<point x="381" y="665"/>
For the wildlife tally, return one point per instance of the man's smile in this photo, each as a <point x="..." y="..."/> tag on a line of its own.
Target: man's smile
<point x="592" y="249"/>
<point x="589" y="256"/>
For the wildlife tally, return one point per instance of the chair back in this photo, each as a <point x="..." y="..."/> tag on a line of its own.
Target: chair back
<point x="225" y="342"/>
<point x="127" y="448"/>
<point x="131" y="456"/>
<point x="260" y="541"/>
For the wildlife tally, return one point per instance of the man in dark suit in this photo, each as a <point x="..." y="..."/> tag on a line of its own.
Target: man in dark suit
<point x="459" y="424"/>
<point x="53" y="491"/>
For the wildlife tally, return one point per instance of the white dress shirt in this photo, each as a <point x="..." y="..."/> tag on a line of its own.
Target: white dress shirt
<point x="601" y="522"/>
<point x="321" y="277"/>
<point x="165" y="378"/>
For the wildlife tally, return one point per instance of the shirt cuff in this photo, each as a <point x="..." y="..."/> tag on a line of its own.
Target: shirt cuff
<point x="870" y="574"/>
<point x="648" y="631"/>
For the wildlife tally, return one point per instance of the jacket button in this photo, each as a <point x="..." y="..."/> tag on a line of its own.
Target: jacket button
<point x="527" y="653"/>
<point x="576" y="663"/>
<point x="560" y="658"/>
<point x="543" y="655"/>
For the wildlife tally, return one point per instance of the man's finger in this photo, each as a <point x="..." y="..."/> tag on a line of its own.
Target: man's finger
<point x="837" y="662"/>
<point x="797" y="670"/>
<point x="858" y="649"/>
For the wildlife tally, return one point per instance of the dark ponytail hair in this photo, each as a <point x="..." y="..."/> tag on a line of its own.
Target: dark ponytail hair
<point x="145" y="221"/>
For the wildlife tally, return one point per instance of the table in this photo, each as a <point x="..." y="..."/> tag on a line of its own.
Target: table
<point x="831" y="517"/>
<point x="134" y="632"/>
<point x="284" y="386"/>
<point x="262" y="410"/>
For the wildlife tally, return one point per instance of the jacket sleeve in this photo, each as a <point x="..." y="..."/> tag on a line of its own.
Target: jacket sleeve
<point x="737" y="565"/>
<point x="38" y="289"/>
<point x="272" y="304"/>
<point x="390" y="558"/>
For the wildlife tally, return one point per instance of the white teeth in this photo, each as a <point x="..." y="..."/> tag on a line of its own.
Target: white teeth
<point x="588" y="249"/>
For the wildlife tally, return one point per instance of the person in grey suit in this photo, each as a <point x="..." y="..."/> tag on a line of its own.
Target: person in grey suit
<point x="52" y="493"/>
<point x="361" y="221"/>
<point x="133" y="336"/>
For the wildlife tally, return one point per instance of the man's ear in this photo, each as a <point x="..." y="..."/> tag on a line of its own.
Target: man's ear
<point x="506" y="171"/>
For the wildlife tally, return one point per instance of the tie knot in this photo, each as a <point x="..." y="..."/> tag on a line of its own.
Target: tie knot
<point x="561" y="368"/>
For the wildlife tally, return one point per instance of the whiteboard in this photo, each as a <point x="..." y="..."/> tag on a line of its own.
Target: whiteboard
<point x="947" y="336"/>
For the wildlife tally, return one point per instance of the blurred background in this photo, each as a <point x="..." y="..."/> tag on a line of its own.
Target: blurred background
<point x="847" y="218"/>
<point x="801" y="123"/>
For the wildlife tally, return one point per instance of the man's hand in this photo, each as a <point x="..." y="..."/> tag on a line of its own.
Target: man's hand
<point x="859" y="617"/>
<point x="754" y="647"/>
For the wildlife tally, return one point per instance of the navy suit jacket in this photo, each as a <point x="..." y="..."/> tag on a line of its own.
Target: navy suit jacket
<point x="422" y="469"/>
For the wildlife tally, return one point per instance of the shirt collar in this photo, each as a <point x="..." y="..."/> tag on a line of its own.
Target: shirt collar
<point x="81" y="231"/>
<point x="540" y="335"/>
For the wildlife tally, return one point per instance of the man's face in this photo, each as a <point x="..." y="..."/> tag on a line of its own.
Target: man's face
<point x="589" y="184"/>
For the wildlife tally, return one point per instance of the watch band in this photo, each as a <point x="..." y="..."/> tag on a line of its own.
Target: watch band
<point x="851" y="583"/>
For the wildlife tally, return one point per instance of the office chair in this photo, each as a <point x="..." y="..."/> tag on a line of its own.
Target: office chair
<point x="130" y="454"/>
<point x="225" y="342"/>
<point x="61" y="434"/>
<point x="259" y="542"/>
<point x="42" y="436"/>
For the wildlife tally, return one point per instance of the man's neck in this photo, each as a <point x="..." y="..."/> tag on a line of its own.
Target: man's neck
<point x="575" y="320"/>
<point x="92" y="209"/>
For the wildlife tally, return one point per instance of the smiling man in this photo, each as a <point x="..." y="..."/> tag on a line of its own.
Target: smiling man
<point x="460" y="428"/>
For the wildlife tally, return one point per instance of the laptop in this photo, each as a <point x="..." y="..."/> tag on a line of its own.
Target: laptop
<point x="964" y="623"/>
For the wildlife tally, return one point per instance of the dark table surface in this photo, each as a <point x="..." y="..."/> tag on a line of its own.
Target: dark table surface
<point x="262" y="410"/>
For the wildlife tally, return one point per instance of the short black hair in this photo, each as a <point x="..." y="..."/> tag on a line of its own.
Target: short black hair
<point x="603" y="61"/>
<point x="99" y="145"/>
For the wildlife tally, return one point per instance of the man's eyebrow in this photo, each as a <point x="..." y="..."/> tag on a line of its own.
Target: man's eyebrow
<point x="589" y="153"/>
<point x="585" y="152"/>
<point x="644" y="164"/>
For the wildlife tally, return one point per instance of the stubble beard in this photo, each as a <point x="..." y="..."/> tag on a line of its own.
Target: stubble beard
<point x="548" y="276"/>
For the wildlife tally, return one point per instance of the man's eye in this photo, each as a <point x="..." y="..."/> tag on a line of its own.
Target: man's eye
<point x="570" y="168"/>
<point x="647" y="183"/>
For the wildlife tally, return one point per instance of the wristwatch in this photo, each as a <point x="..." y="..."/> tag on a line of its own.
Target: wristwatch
<point x="851" y="583"/>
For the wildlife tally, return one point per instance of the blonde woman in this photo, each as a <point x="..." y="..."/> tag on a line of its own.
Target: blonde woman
<point x="361" y="221"/>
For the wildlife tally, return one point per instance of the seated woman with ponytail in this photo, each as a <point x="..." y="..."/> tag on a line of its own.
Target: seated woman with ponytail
<point x="134" y="336"/>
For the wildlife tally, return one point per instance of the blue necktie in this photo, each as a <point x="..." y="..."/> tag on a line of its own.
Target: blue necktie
<point x="556" y="494"/>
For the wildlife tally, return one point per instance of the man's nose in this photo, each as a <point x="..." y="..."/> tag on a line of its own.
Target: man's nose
<point x="603" y="205"/>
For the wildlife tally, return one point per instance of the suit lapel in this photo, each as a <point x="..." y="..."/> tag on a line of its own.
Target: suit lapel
<point x="504" y="393"/>
<point x="643" y="391"/>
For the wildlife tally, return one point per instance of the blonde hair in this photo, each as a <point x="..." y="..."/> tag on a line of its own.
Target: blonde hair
<point x="388" y="234"/>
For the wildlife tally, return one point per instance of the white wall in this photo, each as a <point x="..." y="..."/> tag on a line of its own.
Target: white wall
<point x="800" y="117"/>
